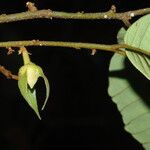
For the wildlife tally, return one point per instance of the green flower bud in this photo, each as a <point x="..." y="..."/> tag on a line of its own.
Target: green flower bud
<point x="28" y="76"/>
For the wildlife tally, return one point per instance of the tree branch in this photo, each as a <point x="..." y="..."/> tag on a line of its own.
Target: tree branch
<point x="77" y="45"/>
<point x="34" y="13"/>
<point x="116" y="48"/>
<point x="49" y="14"/>
<point x="8" y="73"/>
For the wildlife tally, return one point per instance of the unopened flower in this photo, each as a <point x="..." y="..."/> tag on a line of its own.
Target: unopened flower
<point x="28" y="76"/>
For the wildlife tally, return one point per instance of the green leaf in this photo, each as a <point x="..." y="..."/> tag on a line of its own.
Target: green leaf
<point x="121" y="35"/>
<point x="28" y="93"/>
<point x="130" y="91"/>
<point x="138" y="35"/>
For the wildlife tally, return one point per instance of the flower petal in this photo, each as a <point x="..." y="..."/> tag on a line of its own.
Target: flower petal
<point x="47" y="90"/>
<point x="32" y="75"/>
<point x="28" y="93"/>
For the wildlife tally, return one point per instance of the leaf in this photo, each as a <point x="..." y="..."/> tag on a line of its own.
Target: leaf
<point x="138" y="35"/>
<point x="130" y="91"/>
<point x="28" y="93"/>
<point x="121" y="35"/>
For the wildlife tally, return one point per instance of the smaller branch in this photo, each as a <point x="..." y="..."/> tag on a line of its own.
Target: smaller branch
<point x="8" y="73"/>
<point x="77" y="45"/>
<point x="136" y="50"/>
<point x="115" y="48"/>
<point x="33" y="13"/>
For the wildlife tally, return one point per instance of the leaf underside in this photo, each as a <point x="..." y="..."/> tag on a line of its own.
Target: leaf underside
<point x="130" y="91"/>
<point x="138" y="35"/>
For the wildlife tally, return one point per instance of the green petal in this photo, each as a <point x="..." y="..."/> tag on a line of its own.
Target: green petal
<point x="32" y="75"/>
<point x="47" y="88"/>
<point x="28" y="94"/>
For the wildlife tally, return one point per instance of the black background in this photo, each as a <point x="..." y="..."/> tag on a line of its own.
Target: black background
<point x="79" y="113"/>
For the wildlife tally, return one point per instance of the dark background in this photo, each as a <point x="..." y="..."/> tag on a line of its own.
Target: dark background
<point x="79" y="113"/>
